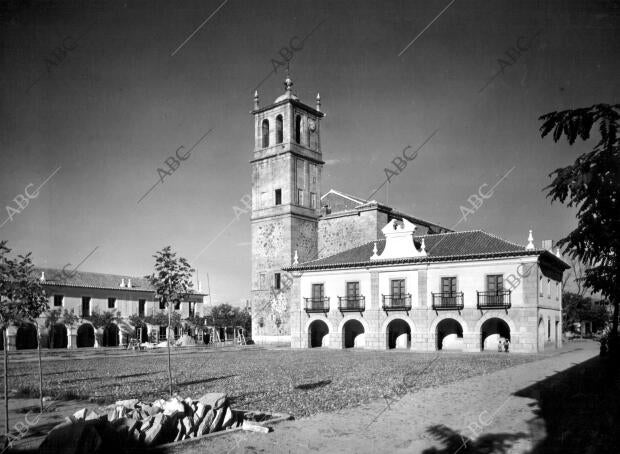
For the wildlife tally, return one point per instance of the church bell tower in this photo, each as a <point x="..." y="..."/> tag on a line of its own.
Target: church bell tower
<point x="286" y="187"/>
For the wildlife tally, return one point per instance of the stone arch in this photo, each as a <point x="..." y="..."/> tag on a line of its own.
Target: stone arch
<point x="438" y="319"/>
<point x="265" y="133"/>
<point x="26" y="337"/>
<point x="491" y="331"/>
<point x="394" y="337"/>
<point x="353" y="317"/>
<point x="488" y="315"/>
<point x="449" y="333"/>
<point x="318" y="333"/>
<point x="85" y="336"/>
<point x="353" y="331"/>
<point x="57" y="336"/>
<point x="109" y="338"/>
<point x="353" y="334"/>
<point x="279" y="129"/>
<point x="298" y="128"/>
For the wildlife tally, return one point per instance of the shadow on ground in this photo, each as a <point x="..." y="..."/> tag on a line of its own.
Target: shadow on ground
<point x="204" y="380"/>
<point x="577" y="411"/>
<point x="454" y="442"/>
<point x="580" y="408"/>
<point x="308" y="386"/>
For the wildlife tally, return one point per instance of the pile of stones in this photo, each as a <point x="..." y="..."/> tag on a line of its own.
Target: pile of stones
<point x="132" y="423"/>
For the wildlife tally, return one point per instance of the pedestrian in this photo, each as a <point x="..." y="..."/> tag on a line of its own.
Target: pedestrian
<point x="500" y="344"/>
<point x="506" y="345"/>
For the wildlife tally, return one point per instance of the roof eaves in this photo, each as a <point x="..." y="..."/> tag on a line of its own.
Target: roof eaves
<point x="445" y="258"/>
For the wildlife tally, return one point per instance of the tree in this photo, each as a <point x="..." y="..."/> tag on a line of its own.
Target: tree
<point x="224" y="315"/>
<point x="23" y="298"/>
<point x="574" y="275"/>
<point x="592" y="185"/>
<point x="172" y="281"/>
<point x="196" y="322"/>
<point x="52" y="319"/>
<point x="244" y="319"/>
<point x="103" y="319"/>
<point x="577" y="309"/>
<point x="70" y="318"/>
<point x="137" y="321"/>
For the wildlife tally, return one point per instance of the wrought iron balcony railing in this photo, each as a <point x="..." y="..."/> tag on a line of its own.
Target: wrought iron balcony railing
<point x="397" y="302"/>
<point x="494" y="300"/>
<point x="448" y="301"/>
<point x="317" y="304"/>
<point x="351" y="303"/>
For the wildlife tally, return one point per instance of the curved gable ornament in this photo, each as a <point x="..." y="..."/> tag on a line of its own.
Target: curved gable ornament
<point x="399" y="241"/>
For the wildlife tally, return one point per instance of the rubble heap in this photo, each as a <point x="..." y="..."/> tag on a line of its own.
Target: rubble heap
<point x="131" y="423"/>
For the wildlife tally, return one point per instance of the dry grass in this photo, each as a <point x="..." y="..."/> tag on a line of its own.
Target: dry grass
<point x="299" y="382"/>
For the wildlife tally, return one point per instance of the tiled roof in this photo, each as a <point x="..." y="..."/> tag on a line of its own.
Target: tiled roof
<point x="70" y="278"/>
<point x="440" y="247"/>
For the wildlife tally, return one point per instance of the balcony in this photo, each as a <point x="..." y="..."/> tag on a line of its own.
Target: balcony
<point x="351" y="303"/>
<point x="315" y="305"/>
<point x="397" y="302"/>
<point x="494" y="300"/>
<point x="446" y="301"/>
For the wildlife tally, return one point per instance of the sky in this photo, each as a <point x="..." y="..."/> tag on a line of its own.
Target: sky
<point x="97" y="95"/>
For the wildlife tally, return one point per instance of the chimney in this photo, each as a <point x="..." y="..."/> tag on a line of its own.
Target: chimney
<point x="42" y="276"/>
<point x="128" y="283"/>
<point x="123" y="282"/>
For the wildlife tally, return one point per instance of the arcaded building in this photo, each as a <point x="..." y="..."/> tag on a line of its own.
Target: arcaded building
<point x="447" y="291"/>
<point x="324" y="273"/>
<point x="83" y="294"/>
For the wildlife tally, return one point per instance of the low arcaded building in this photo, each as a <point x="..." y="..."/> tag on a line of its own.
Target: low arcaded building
<point x="84" y="293"/>
<point x="457" y="290"/>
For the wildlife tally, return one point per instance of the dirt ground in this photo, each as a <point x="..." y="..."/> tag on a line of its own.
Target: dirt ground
<point x="479" y="414"/>
<point x="466" y="416"/>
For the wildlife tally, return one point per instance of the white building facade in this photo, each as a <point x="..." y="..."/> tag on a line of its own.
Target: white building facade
<point x="448" y="291"/>
<point x="83" y="294"/>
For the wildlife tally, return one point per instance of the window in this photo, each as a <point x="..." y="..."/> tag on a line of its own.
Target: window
<point x="448" y="285"/>
<point x="540" y="286"/>
<point x="353" y="290"/>
<point x="495" y="283"/>
<point x="397" y="288"/>
<point x="557" y="291"/>
<point x="279" y="134"/>
<point x="276" y="281"/>
<point x="300" y="197"/>
<point x="278" y="196"/>
<point x="162" y="305"/>
<point x="141" y="306"/>
<point x="177" y="305"/>
<point x="548" y="328"/>
<point x="192" y="309"/>
<point x="58" y="300"/>
<point x="86" y="306"/>
<point x="111" y="303"/>
<point x="162" y="333"/>
<point x="313" y="200"/>
<point x="261" y="281"/>
<point x="548" y="288"/>
<point x="265" y="133"/>
<point x="298" y="129"/>
<point x="317" y="292"/>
